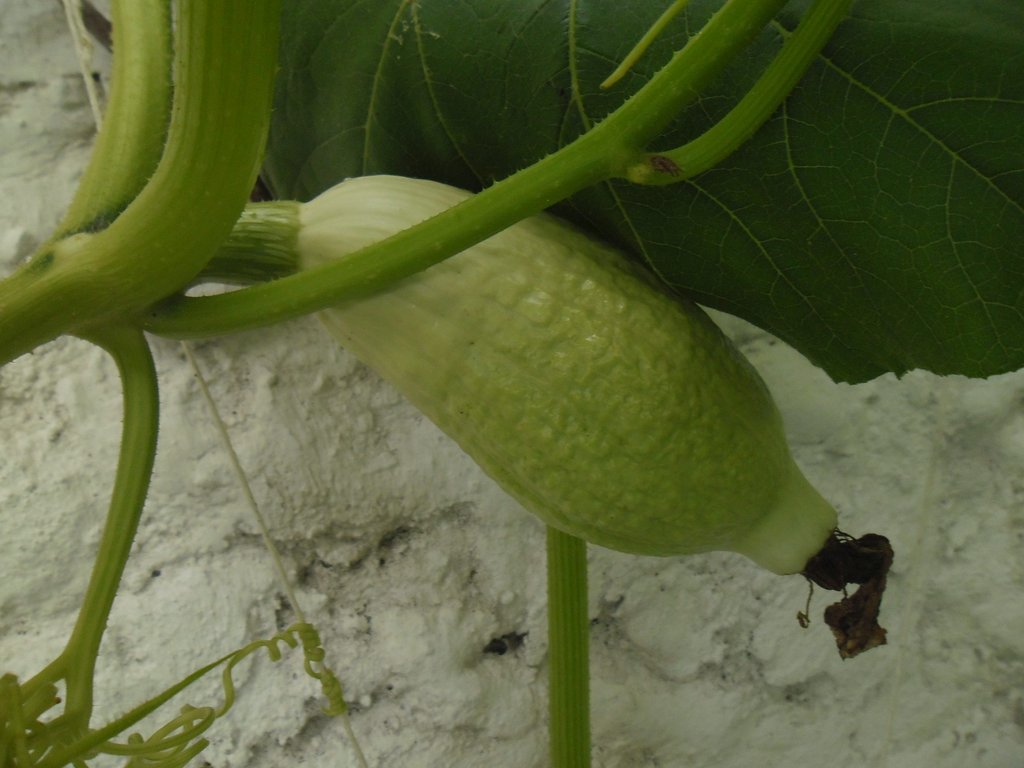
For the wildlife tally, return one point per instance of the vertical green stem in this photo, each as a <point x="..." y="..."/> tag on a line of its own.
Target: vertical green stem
<point x="77" y="662"/>
<point x="134" y="468"/>
<point x="568" y="651"/>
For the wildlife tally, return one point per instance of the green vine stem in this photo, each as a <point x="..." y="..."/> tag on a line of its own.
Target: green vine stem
<point x="129" y="145"/>
<point x="568" y="651"/>
<point x="773" y="86"/>
<point x="260" y="247"/>
<point x="607" y="150"/>
<point x="76" y="664"/>
<point x="225" y="61"/>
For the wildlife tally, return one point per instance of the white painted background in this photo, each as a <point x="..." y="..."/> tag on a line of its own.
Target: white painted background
<point x="410" y="561"/>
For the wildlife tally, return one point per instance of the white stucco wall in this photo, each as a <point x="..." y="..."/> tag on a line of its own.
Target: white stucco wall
<point x="410" y="561"/>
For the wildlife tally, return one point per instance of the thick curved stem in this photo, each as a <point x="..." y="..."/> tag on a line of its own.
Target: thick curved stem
<point x="129" y="145"/>
<point x="225" y="62"/>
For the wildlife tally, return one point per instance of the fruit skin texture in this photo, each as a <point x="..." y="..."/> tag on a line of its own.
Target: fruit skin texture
<point x="609" y="409"/>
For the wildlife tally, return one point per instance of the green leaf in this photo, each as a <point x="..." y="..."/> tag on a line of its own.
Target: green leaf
<point x="874" y="223"/>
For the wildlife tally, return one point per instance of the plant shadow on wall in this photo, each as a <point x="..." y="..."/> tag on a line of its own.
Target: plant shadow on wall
<point x="749" y="156"/>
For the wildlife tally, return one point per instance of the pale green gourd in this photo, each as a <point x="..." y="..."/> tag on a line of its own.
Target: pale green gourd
<point x="607" y="408"/>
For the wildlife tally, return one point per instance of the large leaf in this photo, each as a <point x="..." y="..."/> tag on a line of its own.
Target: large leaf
<point x="874" y="223"/>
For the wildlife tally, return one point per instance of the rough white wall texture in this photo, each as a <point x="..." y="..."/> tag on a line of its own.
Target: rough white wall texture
<point x="411" y="562"/>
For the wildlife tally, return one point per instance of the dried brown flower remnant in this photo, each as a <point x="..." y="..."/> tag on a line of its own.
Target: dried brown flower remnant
<point x="865" y="561"/>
